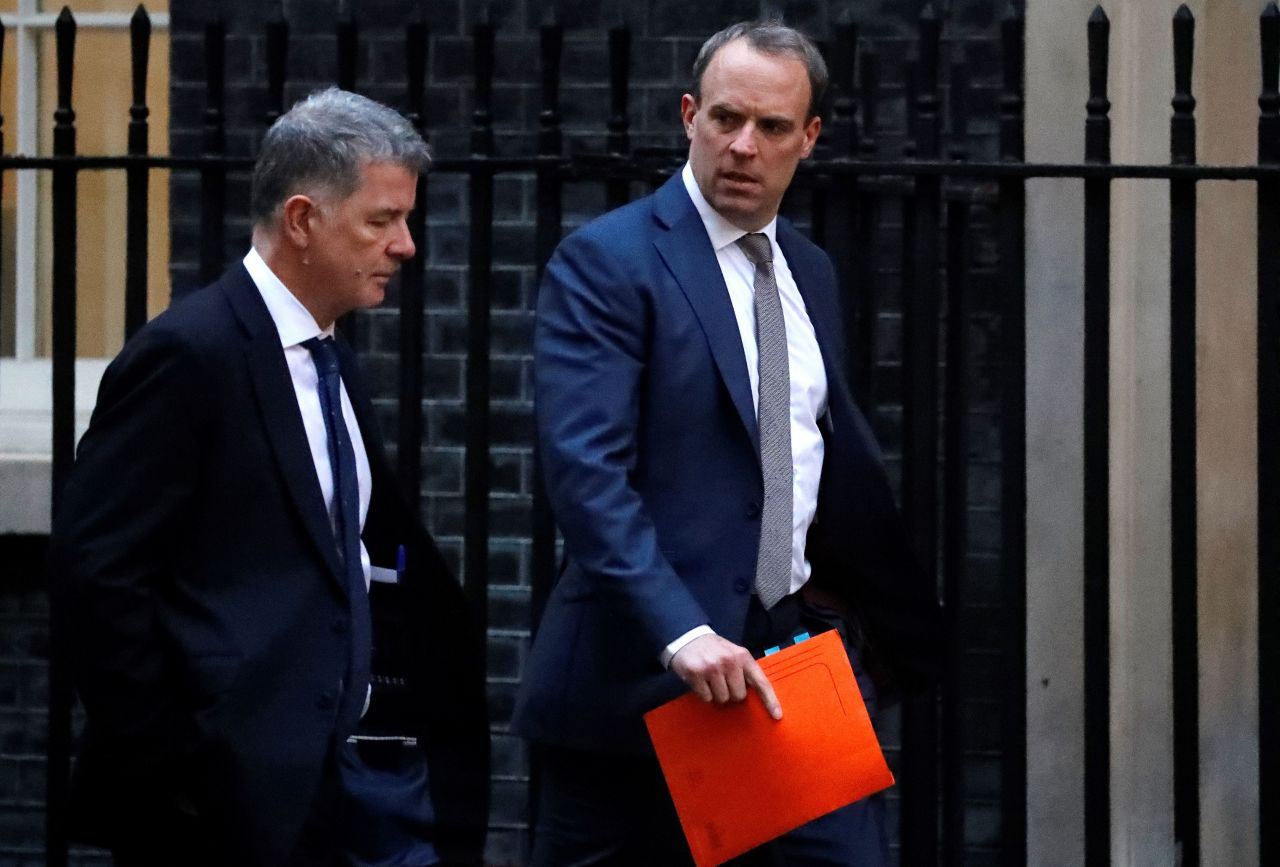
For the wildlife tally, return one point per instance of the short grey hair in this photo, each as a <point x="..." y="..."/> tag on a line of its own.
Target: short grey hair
<point x="323" y="144"/>
<point x="770" y="37"/>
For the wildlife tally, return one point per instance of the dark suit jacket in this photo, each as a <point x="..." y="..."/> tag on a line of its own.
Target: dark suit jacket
<point x="650" y="449"/>
<point x="194" y="562"/>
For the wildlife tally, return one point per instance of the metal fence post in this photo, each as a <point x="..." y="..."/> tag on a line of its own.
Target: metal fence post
<point x="61" y="691"/>
<point x="618" y="141"/>
<point x="920" y="311"/>
<point x="1013" y="449"/>
<point x="1182" y="450"/>
<point x="277" y="45"/>
<point x="868" y="216"/>
<point x="346" y="38"/>
<point x="1097" y="517"/>
<point x="480" y="275"/>
<point x="213" y="177"/>
<point x="138" y="180"/>
<point x="550" y="145"/>
<point x="413" y="286"/>
<point x="955" y="523"/>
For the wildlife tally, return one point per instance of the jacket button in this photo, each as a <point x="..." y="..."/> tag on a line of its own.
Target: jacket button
<point x="328" y="700"/>
<point x="339" y="625"/>
<point x="753" y="510"/>
<point x="741" y="585"/>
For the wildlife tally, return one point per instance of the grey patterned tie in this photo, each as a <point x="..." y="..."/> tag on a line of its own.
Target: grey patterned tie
<point x="773" y="561"/>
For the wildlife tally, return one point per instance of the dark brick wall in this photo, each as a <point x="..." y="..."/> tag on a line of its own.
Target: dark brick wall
<point x="24" y="698"/>
<point x="24" y="685"/>
<point x="665" y="34"/>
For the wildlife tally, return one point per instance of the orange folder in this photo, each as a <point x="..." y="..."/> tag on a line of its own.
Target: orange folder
<point x="739" y="778"/>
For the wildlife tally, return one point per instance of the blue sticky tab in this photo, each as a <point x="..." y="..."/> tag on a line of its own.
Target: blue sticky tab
<point x="772" y="650"/>
<point x="801" y="637"/>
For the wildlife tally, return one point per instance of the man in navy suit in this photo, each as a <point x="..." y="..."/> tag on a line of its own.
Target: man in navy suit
<point x="276" y="667"/>
<point x="717" y="489"/>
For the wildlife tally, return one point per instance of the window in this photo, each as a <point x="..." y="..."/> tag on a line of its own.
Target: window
<point x="101" y="97"/>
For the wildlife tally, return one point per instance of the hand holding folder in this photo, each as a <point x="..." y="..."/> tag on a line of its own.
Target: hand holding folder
<point x="739" y="778"/>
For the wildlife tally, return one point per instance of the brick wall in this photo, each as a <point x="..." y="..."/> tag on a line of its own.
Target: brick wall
<point x="24" y="697"/>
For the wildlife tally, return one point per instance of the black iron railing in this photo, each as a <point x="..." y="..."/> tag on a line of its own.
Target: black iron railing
<point x="1097" y="455"/>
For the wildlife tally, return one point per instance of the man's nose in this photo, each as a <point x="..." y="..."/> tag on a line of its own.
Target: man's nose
<point x="744" y="143"/>
<point x="401" y="246"/>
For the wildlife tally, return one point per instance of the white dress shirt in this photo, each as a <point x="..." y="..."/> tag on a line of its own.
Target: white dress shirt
<point x="808" y="376"/>
<point x="295" y="325"/>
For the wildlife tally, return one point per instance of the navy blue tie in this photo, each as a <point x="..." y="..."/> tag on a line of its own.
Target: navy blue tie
<point x="346" y="525"/>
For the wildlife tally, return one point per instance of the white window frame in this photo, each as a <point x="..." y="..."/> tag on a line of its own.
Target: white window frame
<point x="26" y="400"/>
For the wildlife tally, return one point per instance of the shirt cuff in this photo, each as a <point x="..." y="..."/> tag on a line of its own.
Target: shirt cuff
<point x="674" y="647"/>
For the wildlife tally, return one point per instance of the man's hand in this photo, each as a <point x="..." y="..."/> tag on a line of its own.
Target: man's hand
<point x="720" y="671"/>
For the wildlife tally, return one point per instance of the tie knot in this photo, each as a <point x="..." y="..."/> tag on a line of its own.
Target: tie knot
<point x="323" y="354"/>
<point x="757" y="248"/>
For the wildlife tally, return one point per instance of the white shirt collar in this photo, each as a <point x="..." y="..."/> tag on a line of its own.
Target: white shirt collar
<point x="721" y="232"/>
<point x="293" y="321"/>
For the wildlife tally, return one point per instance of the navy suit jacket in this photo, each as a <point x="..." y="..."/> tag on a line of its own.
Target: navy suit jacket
<point x="650" y="448"/>
<point x="193" y="560"/>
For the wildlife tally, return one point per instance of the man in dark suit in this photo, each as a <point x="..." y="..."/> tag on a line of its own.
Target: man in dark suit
<point x="717" y="489"/>
<point x="276" y="666"/>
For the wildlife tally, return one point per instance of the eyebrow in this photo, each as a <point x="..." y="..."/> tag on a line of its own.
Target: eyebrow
<point x="389" y="211"/>
<point x="768" y="118"/>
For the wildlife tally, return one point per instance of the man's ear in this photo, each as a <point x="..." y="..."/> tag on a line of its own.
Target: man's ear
<point x="688" y="108"/>
<point x="811" y="130"/>
<point x="297" y="220"/>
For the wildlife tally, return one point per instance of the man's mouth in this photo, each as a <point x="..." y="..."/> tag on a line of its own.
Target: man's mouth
<point x="738" y="178"/>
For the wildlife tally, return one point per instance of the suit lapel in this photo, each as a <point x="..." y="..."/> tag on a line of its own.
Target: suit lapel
<point x="817" y="288"/>
<point x="687" y="252"/>
<point x="278" y="406"/>
<point x="814" y="283"/>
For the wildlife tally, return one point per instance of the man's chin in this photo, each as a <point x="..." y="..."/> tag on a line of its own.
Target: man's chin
<point x="738" y="207"/>
<point x="745" y="216"/>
